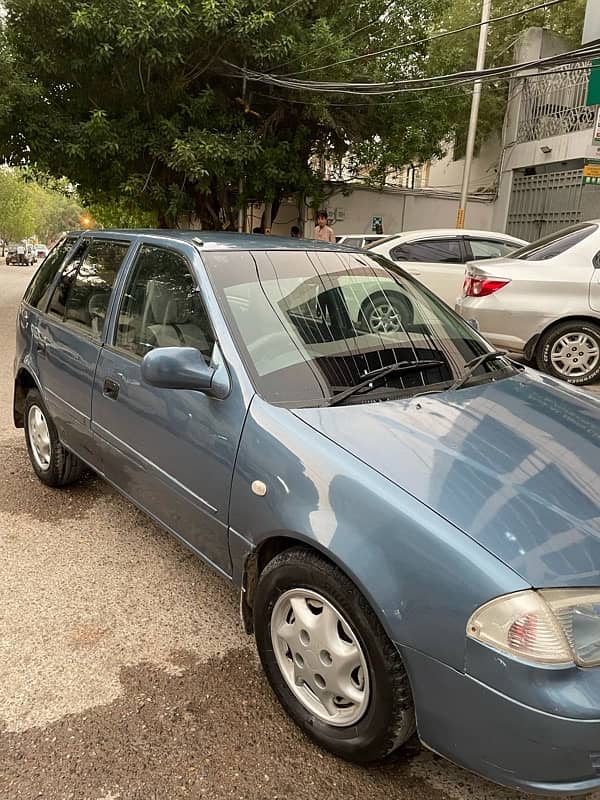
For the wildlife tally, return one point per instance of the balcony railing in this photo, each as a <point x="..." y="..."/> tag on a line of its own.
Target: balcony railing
<point x="554" y="103"/>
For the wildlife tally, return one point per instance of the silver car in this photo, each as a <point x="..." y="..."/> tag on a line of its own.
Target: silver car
<point x="543" y="301"/>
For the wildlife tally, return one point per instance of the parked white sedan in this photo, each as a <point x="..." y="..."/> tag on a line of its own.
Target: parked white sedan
<point x="543" y="301"/>
<point x="438" y="257"/>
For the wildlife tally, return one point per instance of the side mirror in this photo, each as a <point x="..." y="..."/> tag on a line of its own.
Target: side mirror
<point x="474" y="323"/>
<point x="177" y="368"/>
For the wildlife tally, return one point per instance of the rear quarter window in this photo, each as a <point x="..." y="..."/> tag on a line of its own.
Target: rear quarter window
<point x="38" y="291"/>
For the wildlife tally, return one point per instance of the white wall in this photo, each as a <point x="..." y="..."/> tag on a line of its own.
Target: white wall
<point x="401" y="210"/>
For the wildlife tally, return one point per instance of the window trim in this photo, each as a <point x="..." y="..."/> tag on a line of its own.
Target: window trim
<point x="110" y="332"/>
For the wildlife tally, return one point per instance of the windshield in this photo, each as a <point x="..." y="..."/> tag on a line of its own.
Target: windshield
<point x="312" y="324"/>
<point x="554" y="244"/>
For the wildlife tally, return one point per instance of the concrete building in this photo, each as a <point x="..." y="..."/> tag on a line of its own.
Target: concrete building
<point x="547" y="136"/>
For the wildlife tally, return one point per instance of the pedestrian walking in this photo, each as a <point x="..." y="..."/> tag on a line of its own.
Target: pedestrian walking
<point x="323" y="233"/>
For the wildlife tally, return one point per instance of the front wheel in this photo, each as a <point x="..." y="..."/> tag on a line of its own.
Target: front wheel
<point x="571" y="351"/>
<point x="53" y="463"/>
<point x="328" y="660"/>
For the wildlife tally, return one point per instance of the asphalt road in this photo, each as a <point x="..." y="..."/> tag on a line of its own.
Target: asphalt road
<point x="124" y="671"/>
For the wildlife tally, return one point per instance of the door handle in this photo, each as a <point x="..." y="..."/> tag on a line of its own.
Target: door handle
<point x="41" y="343"/>
<point x="110" y="389"/>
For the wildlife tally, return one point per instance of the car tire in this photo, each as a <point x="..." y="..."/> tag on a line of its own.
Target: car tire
<point x="571" y="351"/>
<point x="387" y="312"/>
<point x="373" y="713"/>
<point x="52" y="462"/>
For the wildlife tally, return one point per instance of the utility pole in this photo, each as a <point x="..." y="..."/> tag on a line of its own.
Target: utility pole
<point x="483" y="33"/>
<point x="242" y="209"/>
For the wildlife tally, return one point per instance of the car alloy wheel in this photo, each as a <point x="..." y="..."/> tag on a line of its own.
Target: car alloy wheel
<point x="39" y="436"/>
<point x="320" y="657"/>
<point x="575" y="355"/>
<point x="384" y="318"/>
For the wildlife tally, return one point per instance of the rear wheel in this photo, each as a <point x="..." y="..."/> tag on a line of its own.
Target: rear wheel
<point x="53" y="463"/>
<point x="328" y="660"/>
<point x="571" y="351"/>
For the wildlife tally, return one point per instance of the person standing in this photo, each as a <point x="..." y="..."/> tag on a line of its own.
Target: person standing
<point x="323" y="233"/>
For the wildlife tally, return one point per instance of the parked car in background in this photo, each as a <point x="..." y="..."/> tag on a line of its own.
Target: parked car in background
<point x="437" y="257"/>
<point x="544" y="301"/>
<point x="41" y="251"/>
<point x="412" y="519"/>
<point x="360" y="239"/>
<point x="20" y="253"/>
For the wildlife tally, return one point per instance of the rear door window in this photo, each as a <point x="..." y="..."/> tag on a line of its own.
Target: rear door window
<point x="488" y="248"/>
<point x="438" y="251"/>
<point x="82" y="295"/>
<point x="38" y="291"/>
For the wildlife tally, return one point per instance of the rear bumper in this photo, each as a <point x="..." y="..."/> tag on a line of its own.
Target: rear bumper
<point x="498" y="326"/>
<point x="500" y="738"/>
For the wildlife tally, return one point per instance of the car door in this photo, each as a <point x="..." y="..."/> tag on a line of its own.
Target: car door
<point x="437" y="262"/>
<point x="68" y="338"/>
<point x="172" y="451"/>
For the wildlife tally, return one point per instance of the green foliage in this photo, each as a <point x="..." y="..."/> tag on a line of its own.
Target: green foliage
<point x="121" y="213"/>
<point x="132" y="100"/>
<point x="35" y="206"/>
<point x="17" y="207"/>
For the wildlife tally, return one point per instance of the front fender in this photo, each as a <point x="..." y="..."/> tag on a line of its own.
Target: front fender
<point x="422" y="576"/>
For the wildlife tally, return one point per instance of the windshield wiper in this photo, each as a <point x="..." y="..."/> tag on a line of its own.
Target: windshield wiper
<point x="473" y="364"/>
<point x="379" y="374"/>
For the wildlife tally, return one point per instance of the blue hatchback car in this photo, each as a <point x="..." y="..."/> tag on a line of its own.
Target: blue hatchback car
<point x="412" y="519"/>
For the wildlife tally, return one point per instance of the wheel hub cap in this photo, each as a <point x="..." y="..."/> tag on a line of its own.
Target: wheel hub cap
<point x="575" y="355"/>
<point x="39" y="436"/>
<point x="384" y="318"/>
<point x="320" y="657"/>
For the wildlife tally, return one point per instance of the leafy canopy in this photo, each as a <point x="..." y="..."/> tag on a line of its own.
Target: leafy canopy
<point x="132" y="100"/>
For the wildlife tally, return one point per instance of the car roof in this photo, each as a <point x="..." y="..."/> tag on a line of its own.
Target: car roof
<point x="426" y="233"/>
<point x="207" y="241"/>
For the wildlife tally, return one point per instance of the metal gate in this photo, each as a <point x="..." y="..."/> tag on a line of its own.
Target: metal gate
<point x="541" y="204"/>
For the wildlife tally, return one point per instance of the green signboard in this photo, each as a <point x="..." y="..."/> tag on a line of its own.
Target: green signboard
<point x="591" y="172"/>
<point x="593" y="95"/>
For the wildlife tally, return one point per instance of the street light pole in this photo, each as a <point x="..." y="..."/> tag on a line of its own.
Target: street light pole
<point x="483" y="33"/>
<point x="242" y="209"/>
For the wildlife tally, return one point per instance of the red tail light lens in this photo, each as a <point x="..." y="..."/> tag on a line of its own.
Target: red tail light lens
<point x="481" y="287"/>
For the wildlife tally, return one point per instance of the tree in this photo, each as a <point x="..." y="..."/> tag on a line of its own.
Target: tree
<point x="134" y="100"/>
<point x="17" y="208"/>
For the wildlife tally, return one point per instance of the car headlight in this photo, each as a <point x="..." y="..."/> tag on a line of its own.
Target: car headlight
<point x="553" y="626"/>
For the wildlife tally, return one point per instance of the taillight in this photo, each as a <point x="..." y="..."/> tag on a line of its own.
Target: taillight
<point x="481" y="287"/>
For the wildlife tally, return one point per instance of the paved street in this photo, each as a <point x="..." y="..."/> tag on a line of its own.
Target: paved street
<point x="124" y="671"/>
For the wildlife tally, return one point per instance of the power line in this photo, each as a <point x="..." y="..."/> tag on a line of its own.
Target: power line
<point x="431" y="38"/>
<point x="417" y="84"/>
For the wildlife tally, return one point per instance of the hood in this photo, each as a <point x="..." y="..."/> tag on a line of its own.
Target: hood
<point x="514" y="464"/>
